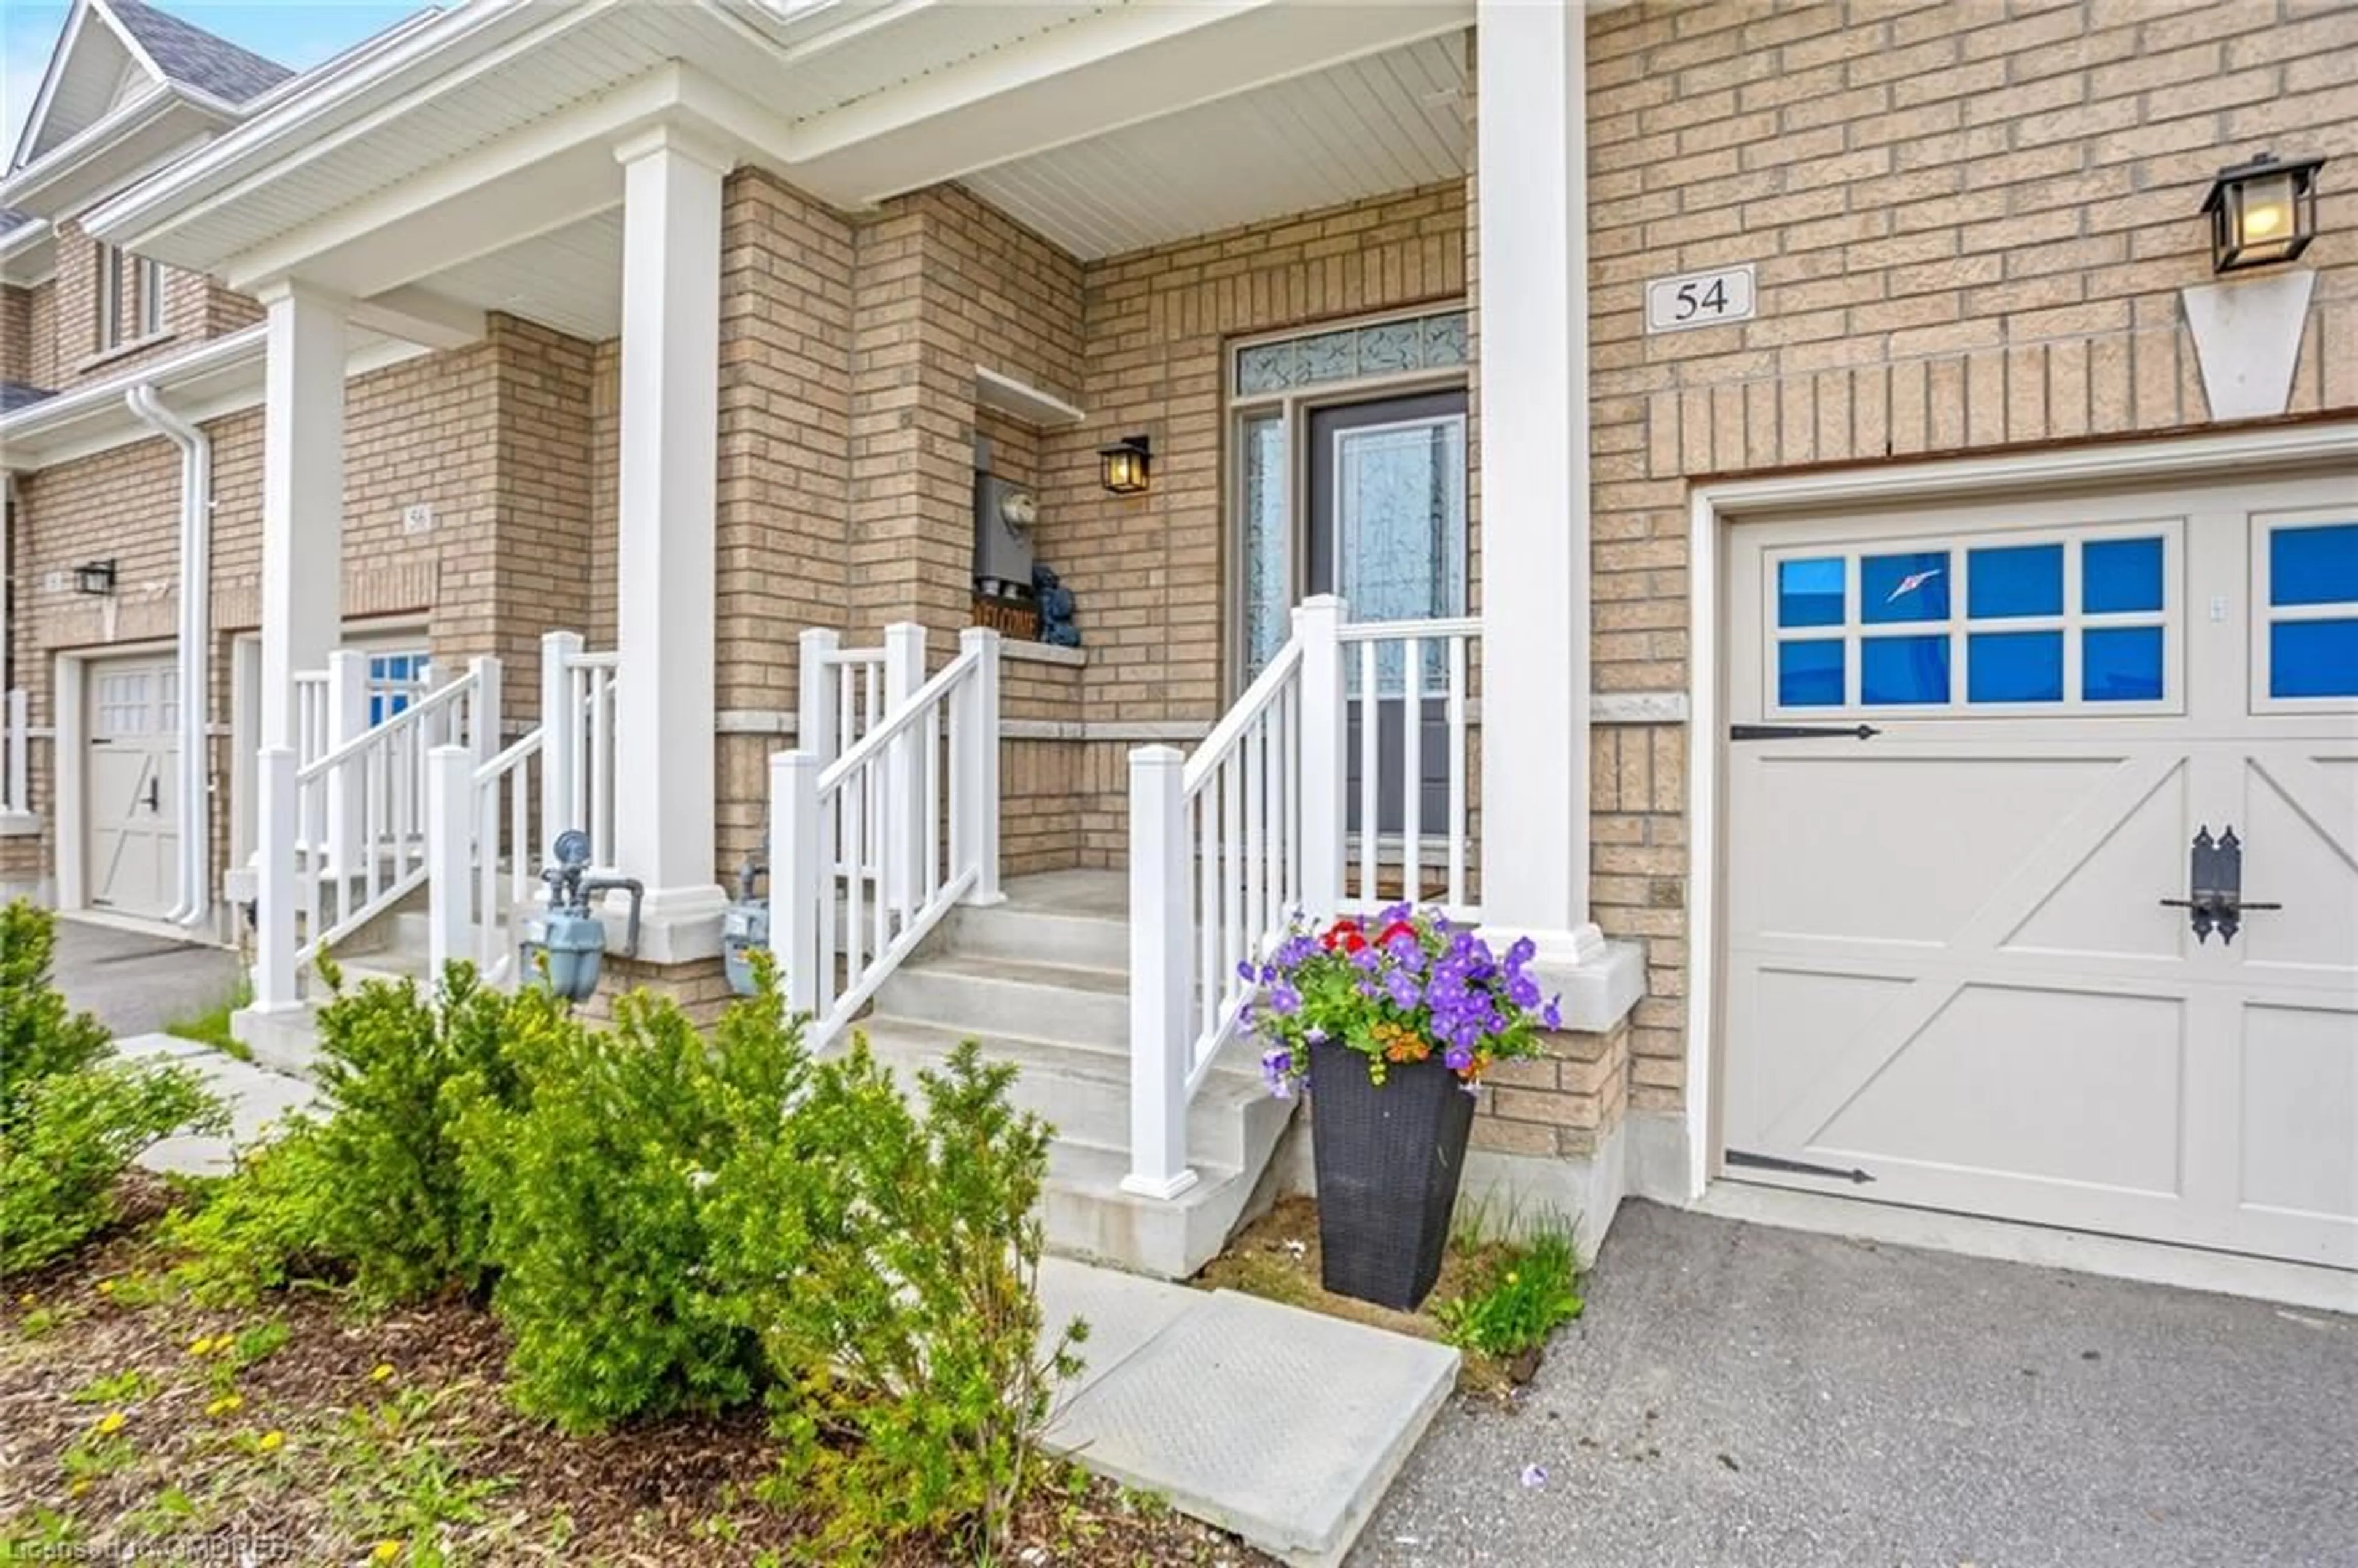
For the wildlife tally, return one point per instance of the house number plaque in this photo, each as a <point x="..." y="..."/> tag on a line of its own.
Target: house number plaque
<point x="1699" y="299"/>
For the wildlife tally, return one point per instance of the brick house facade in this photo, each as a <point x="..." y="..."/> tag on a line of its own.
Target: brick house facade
<point x="1969" y="226"/>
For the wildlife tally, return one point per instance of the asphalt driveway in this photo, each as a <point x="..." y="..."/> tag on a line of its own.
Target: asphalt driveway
<point x="138" y="983"/>
<point x="1737" y="1395"/>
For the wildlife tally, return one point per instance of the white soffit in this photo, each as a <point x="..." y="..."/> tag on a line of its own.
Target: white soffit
<point x="1380" y="123"/>
<point x="571" y="278"/>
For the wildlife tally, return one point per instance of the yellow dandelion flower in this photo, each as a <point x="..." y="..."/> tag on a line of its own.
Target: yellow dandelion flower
<point x="386" y="1550"/>
<point x="271" y="1441"/>
<point x="26" y="1300"/>
<point x="111" y="1422"/>
<point x="82" y="1484"/>
<point x="225" y="1405"/>
<point x="106" y="1287"/>
<point x="201" y="1344"/>
<point x="381" y="1371"/>
<point x="1513" y="1278"/>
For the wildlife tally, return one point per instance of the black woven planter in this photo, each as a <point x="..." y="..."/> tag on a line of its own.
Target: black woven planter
<point x="1388" y="1160"/>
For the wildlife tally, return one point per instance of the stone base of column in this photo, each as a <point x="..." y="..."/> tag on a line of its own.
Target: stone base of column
<point x="676" y="925"/>
<point x="1599" y="980"/>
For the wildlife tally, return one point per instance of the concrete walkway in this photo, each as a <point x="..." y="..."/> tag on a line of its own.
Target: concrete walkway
<point x="1281" y="1425"/>
<point x="1739" y="1396"/>
<point x="256" y="1099"/>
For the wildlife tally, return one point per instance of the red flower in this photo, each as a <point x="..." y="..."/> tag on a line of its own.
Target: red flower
<point x="1397" y="928"/>
<point x="1344" y="932"/>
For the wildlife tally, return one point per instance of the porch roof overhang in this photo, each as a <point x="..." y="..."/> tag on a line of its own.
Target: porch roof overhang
<point x="465" y="155"/>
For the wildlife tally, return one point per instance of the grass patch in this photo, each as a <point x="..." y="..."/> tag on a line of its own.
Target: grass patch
<point x="212" y="1027"/>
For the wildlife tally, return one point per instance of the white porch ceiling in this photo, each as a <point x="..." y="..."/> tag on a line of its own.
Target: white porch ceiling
<point x="1379" y="124"/>
<point x="571" y="278"/>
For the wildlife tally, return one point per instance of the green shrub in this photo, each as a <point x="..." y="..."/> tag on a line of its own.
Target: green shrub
<point x="71" y="1118"/>
<point x="903" y="1321"/>
<point x="373" y="1194"/>
<point x="1528" y="1291"/>
<point x="602" y="1176"/>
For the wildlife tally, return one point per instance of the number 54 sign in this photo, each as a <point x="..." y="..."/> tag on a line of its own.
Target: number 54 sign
<point x="1699" y="299"/>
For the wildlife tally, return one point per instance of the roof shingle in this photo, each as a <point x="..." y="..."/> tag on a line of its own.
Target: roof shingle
<point x="194" y="58"/>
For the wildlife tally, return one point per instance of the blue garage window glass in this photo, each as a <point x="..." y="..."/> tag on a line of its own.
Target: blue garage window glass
<point x="1913" y="586"/>
<point x="2313" y="658"/>
<point x="1810" y="593"/>
<point x="2025" y="580"/>
<point x="1809" y="673"/>
<point x="2120" y="575"/>
<point x="2314" y="566"/>
<point x="1897" y="670"/>
<point x="2121" y="663"/>
<point x="2014" y="667"/>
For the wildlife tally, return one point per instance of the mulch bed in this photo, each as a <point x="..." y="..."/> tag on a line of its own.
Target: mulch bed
<point x="394" y="1428"/>
<point x="1277" y="1257"/>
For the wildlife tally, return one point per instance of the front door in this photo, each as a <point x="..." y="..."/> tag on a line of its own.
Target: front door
<point x="1953" y="963"/>
<point x="1387" y="496"/>
<point x="133" y="708"/>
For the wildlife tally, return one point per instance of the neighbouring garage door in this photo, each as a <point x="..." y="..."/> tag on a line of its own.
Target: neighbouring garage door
<point x="131" y="787"/>
<point x="1948" y="964"/>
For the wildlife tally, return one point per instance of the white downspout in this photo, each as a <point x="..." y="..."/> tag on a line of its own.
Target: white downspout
<point x="195" y="901"/>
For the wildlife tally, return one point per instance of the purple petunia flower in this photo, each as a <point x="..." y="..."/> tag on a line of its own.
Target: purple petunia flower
<point x="1551" y="1015"/>
<point x="1521" y="953"/>
<point x="1523" y="991"/>
<point x="1283" y="1000"/>
<point x="1458" y="1058"/>
<point x="1404" y="990"/>
<point x="1277" y="1067"/>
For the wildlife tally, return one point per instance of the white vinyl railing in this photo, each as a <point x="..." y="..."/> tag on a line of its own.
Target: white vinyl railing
<point x="860" y="867"/>
<point x="344" y="833"/>
<point x="577" y="691"/>
<point x="17" y="754"/>
<point x="1267" y="818"/>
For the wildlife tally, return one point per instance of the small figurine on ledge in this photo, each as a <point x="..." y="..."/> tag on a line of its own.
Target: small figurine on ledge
<point x="1055" y="602"/>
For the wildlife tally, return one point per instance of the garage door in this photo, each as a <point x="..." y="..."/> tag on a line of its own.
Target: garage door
<point x="1974" y="754"/>
<point x="132" y="795"/>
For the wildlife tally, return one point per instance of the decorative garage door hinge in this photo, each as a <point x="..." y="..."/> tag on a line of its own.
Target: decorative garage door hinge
<point x="1795" y="1167"/>
<point x="1802" y="732"/>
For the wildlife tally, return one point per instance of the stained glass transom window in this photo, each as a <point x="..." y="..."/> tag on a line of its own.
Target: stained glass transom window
<point x="1352" y="353"/>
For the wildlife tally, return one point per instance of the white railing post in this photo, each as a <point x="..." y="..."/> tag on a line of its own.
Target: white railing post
<point x="905" y="672"/>
<point x="348" y="717"/>
<point x="1160" y="1039"/>
<point x="1317" y="623"/>
<point x="274" y="916"/>
<point x="560" y="723"/>
<point x="450" y="830"/>
<point x="984" y="641"/>
<point x="798" y="879"/>
<point x="815" y="676"/>
<point x="483" y="708"/>
<point x="18" y="794"/>
<point x="974" y="790"/>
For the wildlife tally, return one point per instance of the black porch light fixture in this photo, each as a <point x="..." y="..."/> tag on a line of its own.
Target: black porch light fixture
<point x="95" y="577"/>
<point x="1121" y="467"/>
<point x="2262" y="211"/>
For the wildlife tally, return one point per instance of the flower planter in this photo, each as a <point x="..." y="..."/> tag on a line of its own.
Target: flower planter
<point x="1389" y="1158"/>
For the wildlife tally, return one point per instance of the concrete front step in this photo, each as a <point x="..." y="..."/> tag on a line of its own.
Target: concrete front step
<point x="1028" y="932"/>
<point x="1084" y="1093"/>
<point x="1068" y="1004"/>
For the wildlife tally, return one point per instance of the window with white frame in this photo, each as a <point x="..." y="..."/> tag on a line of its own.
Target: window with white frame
<point x="109" y="287"/>
<point x="2305" y="634"/>
<point x="2014" y="622"/>
<point x="147" y="278"/>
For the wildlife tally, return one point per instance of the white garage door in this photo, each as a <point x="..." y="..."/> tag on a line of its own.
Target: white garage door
<point x="132" y="788"/>
<point x="1950" y="965"/>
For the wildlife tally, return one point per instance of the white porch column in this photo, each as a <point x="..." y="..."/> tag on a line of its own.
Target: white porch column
<point x="670" y="423"/>
<point x="302" y="494"/>
<point x="1531" y="167"/>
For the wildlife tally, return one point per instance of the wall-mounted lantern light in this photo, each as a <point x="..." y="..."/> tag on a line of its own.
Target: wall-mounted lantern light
<point x="1121" y="467"/>
<point x="2262" y="211"/>
<point x="94" y="576"/>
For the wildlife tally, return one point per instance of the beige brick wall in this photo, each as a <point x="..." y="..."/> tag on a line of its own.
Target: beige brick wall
<point x="495" y="437"/>
<point x="17" y="335"/>
<point x="1971" y="223"/>
<point x="62" y="327"/>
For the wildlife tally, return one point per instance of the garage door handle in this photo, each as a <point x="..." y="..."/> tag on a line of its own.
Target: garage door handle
<point x="155" y="795"/>
<point x="1802" y="732"/>
<point x="2215" y="879"/>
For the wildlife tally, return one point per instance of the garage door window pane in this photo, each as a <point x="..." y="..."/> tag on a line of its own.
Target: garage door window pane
<point x="2313" y="658"/>
<point x="1810" y="675"/>
<point x="1904" y="670"/>
<point x="1810" y="593"/>
<point x="2014" y="667"/>
<point x="2026" y="581"/>
<point x="2120" y="575"/>
<point x="2121" y="664"/>
<point x="1913" y="586"/>
<point x="2314" y="566"/>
